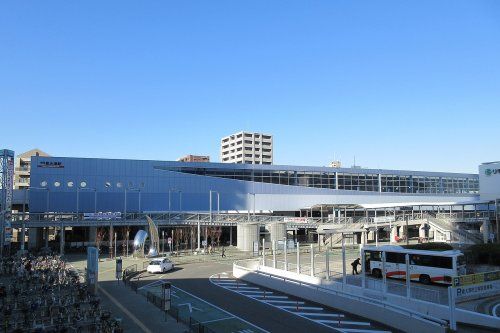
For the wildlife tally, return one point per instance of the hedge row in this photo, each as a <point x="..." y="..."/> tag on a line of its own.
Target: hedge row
<point x="429" y="246"/>
<point x="484" y="254"/>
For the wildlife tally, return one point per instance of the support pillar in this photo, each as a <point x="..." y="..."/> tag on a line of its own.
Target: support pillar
<point x="274" y="253"/>
<point x="35" y="237"/>
<point x="485" y="230"/>
<point x="46" y="237"/>
<point x="298" y="258"/>
<point x="111" y="234"/>
<point x="23" y="236"/>
<point x="231" y="236"/>
<point x="421" y="231"/>
<point x="61" y="240"/>
<point x="92" y="235"/>
<point x="394" y="234"/>
<point x="312" y="260"/>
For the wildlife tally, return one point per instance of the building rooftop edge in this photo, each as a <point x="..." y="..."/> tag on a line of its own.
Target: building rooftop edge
<point x="212" y="165"/>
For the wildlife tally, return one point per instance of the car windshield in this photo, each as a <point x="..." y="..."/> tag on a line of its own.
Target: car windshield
<point x="155" y="263"/>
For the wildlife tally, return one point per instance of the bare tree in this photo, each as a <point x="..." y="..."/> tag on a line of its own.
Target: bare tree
<point x="100" y="234"/>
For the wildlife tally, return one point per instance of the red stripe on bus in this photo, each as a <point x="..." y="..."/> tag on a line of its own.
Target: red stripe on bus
<point x="389" y="274"/>
<point x="437" y="278"/>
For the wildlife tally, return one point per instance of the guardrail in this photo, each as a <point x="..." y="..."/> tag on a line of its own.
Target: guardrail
<point x="404" y="311"/>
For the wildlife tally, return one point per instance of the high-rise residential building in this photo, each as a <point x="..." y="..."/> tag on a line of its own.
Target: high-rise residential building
<point x="335" y="164"/>
<point x="22" y="167"/>
<point x="194" y="158"/>
<point x="247" y="148"/>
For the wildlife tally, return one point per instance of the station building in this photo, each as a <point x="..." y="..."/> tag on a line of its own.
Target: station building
<point x="64" y="184"/>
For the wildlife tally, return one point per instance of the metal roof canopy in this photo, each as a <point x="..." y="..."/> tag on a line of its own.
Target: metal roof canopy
<point x="399" y="204"/>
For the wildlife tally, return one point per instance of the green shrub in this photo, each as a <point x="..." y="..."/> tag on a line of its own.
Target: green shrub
<point x="485" y="254"/>
<point x="430" y="246"/>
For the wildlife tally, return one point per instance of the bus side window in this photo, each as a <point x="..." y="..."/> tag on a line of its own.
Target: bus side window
<point x="445" y="262"/>
<point x="414" y="259"/>
<point x="394" y="257"/>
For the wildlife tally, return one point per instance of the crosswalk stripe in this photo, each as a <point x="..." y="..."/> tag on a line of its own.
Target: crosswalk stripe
<point x="356" y="330"/>
<point x="313" y="308"/>
<point x="255" y="292"/>
<point x="355" y="323"/>
<point x="284" y="302"/>
<point x="269" y="296"/>
<point x="312" y="314"/>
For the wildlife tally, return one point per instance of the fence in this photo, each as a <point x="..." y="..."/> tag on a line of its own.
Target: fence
<point x="194" y="325"/>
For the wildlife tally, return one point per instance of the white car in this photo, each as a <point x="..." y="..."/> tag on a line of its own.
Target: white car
<point x="160" y="265"/>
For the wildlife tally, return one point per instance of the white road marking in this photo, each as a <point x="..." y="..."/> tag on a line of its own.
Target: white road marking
<point x="228" y="313"/>
<point x="259" y="296"/>
<point x="214" y="320"/>
<point x="336" y="315"/>
<point x="284" y="302"/>
<point x="354" y="323"/>
<point x="268" y="296"/>
<point x="356" y="330"/>
<point x="312" y="308"/>
<point x="243" y="288"/>
<point x="190" y="307"/>
<point x="149" y="285"/>
<point x="251" y="291"/>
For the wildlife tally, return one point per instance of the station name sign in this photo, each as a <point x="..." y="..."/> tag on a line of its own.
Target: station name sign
<point x="489" y="172"/>
<point x="50" y="164"/>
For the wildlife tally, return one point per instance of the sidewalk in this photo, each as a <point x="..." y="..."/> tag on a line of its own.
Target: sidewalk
<point x="136" y="313"/>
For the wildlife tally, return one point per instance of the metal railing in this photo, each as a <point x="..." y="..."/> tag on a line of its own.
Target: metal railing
<point x="385" y="305"/>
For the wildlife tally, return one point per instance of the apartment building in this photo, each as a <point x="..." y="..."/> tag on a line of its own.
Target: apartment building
<point x="194" y="158"/>
<point x="247" y="148"/>
<point x="22" y="167"/>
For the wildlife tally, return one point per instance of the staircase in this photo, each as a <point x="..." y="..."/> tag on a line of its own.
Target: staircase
<point x="333" y="239"/>
<point x="456" y="235"/>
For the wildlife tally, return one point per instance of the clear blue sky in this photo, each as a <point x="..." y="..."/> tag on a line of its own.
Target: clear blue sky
<point x="400" y="84"/>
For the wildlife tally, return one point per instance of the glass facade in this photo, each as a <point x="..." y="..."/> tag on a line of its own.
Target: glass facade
<point x="364" y="182"/>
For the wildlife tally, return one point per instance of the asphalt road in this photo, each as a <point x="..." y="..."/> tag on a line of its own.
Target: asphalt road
<point x="194" y="278"/>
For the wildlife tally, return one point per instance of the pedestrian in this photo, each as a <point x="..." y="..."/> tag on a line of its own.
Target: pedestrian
<point x="354" y="265"/>
<point x="223" y="254"/>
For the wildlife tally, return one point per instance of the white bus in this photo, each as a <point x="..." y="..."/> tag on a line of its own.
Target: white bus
<point x="425" y="266"/>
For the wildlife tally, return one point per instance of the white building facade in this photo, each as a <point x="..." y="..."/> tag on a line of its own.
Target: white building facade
<point x="247" y="148"/>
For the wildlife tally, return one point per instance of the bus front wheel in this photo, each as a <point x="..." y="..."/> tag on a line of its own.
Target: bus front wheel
<point x="425" y="279"/>
<point x="377" y="273"/>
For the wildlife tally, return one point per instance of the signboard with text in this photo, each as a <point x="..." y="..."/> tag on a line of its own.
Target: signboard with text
<point x="468" y="287"/>
<point x="92" y="268"/>
<point x="296" y="219"/>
